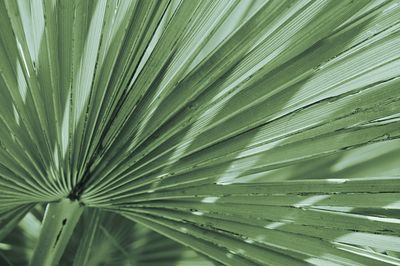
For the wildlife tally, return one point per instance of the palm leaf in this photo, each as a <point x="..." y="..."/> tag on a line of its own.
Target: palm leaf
<point x="252" y="132"/>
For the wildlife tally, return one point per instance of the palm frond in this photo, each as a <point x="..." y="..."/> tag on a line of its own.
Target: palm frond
<point x="253" y="132"/>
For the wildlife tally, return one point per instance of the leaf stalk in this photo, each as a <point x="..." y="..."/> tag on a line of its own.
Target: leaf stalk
<point x="58" y="225"/>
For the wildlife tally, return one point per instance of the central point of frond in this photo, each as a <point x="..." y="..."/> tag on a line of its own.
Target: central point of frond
<point x="74" y="196"/>
<point x="76" y="192"/>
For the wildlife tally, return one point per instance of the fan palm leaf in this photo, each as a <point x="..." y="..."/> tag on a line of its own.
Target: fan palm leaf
<point x="252" y="132"/>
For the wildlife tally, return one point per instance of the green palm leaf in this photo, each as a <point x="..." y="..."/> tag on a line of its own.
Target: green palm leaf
<point x="252" y="132"/>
